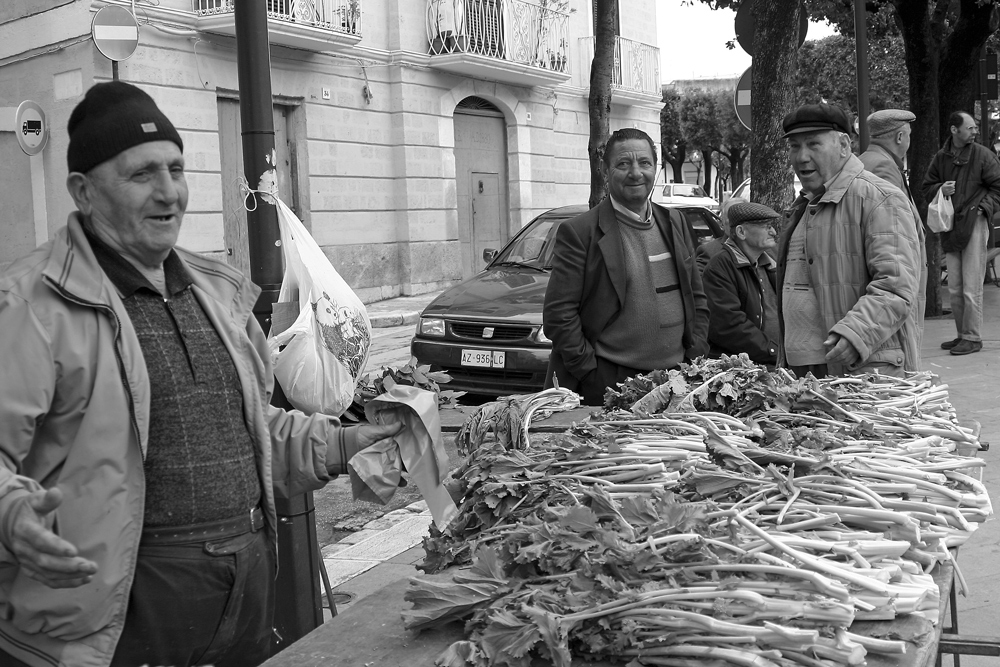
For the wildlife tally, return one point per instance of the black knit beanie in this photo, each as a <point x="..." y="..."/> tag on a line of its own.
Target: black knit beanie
<point x="111" y="118"/>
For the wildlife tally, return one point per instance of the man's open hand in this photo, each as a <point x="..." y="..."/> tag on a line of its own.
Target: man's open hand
<point x="43" y="555"/>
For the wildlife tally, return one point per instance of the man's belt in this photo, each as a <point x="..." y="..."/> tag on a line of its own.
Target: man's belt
<point x="250" y="522"/>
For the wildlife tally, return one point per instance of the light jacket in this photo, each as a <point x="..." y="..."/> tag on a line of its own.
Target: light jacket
<point x="863" y="261"/>
<point x="74" y="413"/>
<point x="879" y="161"/>
<point x="587" y="288"/>
<point x="976" y="173"/>
<point x="735" y="295"/>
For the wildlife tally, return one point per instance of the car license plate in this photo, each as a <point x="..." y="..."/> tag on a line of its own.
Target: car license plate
<point x="483" y="358"/>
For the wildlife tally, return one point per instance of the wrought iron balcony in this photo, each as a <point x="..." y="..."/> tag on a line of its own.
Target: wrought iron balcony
<point x="636" y="73"/>
<point x="317" y="25"/>
<point x="511" y="41"/>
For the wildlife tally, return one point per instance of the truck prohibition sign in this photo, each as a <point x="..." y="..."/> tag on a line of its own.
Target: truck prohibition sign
<point x="31" y="126"/>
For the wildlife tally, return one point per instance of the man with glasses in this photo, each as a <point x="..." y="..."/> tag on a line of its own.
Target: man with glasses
<point x="849" y="259"/>
<point x="740" y="283"/>
<point x="970" y="174"/>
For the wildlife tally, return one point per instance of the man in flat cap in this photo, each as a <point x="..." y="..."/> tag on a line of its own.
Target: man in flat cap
<point x="890" y="139"/>
<point x="848" y="261"/>
<point x="969" y="173"/>
<point x="139" y="455"/>
<point x="740" y="283"/>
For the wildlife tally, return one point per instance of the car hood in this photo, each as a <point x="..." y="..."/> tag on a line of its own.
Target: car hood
<point x="503" y="293"/>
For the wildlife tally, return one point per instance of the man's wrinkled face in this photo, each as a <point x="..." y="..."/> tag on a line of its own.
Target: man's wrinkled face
<point x="137" y="200"/>
<point x="758" y="236"/>
<point x="630" y="169"/>
<point x="816" y="157"/>
<point x="965" y="133"/>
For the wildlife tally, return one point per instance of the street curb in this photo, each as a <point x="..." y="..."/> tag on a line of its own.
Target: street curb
<point x="397" y="319"/>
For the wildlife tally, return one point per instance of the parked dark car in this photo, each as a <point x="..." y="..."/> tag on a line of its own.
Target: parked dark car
<point x="486" y="332"/>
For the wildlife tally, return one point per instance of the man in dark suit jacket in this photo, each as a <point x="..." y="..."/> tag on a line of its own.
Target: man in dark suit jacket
<point x="625" y="296"/>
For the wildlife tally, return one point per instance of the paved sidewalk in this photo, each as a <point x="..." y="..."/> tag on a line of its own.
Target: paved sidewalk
<point x="398" y="310"/>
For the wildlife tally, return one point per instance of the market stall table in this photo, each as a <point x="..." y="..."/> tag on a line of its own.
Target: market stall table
<point x="370" y="632"/>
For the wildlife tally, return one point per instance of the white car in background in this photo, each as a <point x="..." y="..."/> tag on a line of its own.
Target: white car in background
<point x="743" y="190"/>
<point x="686" y="194"/>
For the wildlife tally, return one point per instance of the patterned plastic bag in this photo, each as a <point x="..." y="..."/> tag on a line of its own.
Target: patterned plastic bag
<point x="319" y="358"/>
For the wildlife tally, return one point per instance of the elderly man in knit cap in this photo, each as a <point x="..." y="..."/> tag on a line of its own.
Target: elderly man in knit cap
<point x="740" y="283"/>
<point x="890" y="139"/>
<point x="848" y="260"/>
<point x="139" y="455"/>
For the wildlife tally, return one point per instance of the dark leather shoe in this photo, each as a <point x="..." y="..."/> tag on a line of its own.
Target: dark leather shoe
<point x="948" y="344"/>
<point x="967" y="347"/>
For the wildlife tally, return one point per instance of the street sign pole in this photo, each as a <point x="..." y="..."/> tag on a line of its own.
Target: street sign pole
<point x="861" y="47"/>
<point x="984" y="100"/>
<point x="297" y="608"/>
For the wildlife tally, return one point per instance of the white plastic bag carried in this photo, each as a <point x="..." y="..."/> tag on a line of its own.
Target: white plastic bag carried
<point x="940" y="213"/>
<point x="319" y="358"/>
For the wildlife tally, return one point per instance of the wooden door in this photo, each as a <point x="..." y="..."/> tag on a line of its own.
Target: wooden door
<point x="231" y="155"/>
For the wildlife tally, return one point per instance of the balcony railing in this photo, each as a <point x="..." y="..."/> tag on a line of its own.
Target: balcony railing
<point x="517" y="33"/>
<point x="636" y="70"/>
<point x="311" y="24"/>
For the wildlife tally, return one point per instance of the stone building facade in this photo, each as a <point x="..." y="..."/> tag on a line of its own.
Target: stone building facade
<point x="410" y="134"/>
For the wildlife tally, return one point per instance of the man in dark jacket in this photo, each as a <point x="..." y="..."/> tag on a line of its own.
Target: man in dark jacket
<point x="970" y="174"/>
<point x="740" y="285"/>
<point x="706" y="251"/>
<point x="625" y="296"/>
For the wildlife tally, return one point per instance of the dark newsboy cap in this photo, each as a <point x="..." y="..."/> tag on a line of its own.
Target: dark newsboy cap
<point x="816" y="118"/>
<point x="751" y="212"/>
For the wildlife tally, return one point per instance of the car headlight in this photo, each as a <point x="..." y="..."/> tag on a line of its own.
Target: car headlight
<point x="431" y="326"/>
<point x="541" y="337"/>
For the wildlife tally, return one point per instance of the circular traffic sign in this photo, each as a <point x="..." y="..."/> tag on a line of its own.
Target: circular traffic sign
<point x="746" y="23"/>
<point x="115" y="32"/>
<point x="31" y="128"/>
<point x="741" y="98"/>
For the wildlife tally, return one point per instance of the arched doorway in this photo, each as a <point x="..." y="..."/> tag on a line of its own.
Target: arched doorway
<point x="481" y="181"/>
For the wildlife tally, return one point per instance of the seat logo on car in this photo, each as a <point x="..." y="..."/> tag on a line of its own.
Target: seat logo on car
<point x="487" y="332"/>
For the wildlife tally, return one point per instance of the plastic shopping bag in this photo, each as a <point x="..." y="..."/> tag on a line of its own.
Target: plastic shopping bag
<point x="940" y="213"/>
<point x="319" y="358"/>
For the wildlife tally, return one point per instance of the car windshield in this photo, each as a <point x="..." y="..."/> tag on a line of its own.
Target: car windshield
<point x="686" y="190"/>
<point x="533" y="247"/>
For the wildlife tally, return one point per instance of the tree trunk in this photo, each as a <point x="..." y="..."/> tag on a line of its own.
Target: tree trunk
<point x="706" y="159"/>
<point x="600" y="93"/>
<point x="737" y="156"/>
<point x="677" y="164"/>
<point x="959" y="64"/>
<point x="772" y="96"/>
<point x="921" y="40"/>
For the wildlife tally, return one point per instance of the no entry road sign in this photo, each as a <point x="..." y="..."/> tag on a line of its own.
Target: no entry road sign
<point x="115" y="32"/>
<point x="741" y="98"/>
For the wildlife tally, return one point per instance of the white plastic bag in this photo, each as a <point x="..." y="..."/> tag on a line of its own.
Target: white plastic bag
<point x="319" y="358"/>
<point x="940" y="213"/>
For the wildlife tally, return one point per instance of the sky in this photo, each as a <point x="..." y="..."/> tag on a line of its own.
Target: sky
<point x="692" y="41"/>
